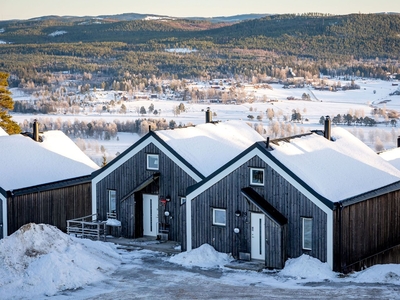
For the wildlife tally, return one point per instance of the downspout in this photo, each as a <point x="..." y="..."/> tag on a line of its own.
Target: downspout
<point x="340" y="204"/>
<point x="188" y="224"/>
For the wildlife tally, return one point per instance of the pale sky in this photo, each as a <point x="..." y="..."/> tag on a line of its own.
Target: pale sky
<point x="25" y="9"/>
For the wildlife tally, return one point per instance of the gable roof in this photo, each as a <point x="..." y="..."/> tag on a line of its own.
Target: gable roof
<point x="331" y="171"/>
<point x="29" y="163"/>
<point x="200" y="150"/>
<point x="149" y="138"/>
<point x="209" y="146"/>
<point x="339" y="169"/>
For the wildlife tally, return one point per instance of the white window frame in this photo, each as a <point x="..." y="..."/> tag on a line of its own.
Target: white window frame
<point x="183" y="200"/>
<point x="148" y="161"/>
<point x="112" y="197"/>
<point x="214" y="210"/>
<point x="251" y="176"/>
<point x="303" y="238"/>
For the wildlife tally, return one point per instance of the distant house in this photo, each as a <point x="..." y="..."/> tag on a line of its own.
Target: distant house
<point x="145" y="186"/>
<point x="46" y="179"/>
<point x="330" y="197"/>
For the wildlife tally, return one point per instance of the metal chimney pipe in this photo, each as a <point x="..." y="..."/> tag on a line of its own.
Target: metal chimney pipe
<point x="398" y="141"/>
<point x="208" y="115"/>
<point x="327" y="128"/>
<point x="36" y="130"/>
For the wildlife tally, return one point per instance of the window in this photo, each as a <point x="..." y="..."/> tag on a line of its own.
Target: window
<point x="219" y="216"/>
<point x="256" y="176"/>
<point x="112" y="207"/>
<point x="307" y="233"/>
<point x="152" y="161"/>
<point x="183" y="200"/>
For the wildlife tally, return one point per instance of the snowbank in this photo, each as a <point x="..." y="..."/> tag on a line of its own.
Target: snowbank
<point x="389" y="273"/>
<point x="39" y="260"/>
<point x="307" y="267"/>
<point x="205" y="256"/>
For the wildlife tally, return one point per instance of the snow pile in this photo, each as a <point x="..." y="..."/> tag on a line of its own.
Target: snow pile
<point x="205" y="256"/>
<point x="307" y="267"/>
<point x="389" y="273"/>
<point x="3" y="42"/>
<point x="2" y="30"/>
<point x="113" y="222"/>
<point x="58" y="32"/>
<point x="40" y="260"/>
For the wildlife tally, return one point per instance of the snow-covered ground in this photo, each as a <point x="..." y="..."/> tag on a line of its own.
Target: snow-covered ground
<point x="372" y="93"/>
<point x="40" y="262"/>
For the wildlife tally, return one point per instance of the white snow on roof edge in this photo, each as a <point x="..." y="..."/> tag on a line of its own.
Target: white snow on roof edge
<point x="337" y="170"/>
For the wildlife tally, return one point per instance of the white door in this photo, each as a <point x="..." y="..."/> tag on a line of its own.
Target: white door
<point x="257" y="236"/>
<point x="150" y="215"/>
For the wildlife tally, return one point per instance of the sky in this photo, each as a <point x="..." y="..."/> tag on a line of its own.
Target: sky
<point x="26" y="9"/>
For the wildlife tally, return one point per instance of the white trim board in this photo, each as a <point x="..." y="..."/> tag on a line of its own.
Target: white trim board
<point x="5" y="220"/>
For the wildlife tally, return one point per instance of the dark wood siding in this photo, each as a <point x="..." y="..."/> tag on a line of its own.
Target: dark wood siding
<point x="367" y="233"/>
<point x="279" y="193"/>
<point x="53" y="206"/>
<point x="275" y="241"/>
<point x="172" y="183"/>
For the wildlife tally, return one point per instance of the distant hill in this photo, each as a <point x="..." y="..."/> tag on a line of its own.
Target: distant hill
<point x="313" y="35"/>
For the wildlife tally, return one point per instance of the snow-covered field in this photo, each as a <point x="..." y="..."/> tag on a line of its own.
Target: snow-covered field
<point x="40" y="262"/>
<point x="372" y="93"/>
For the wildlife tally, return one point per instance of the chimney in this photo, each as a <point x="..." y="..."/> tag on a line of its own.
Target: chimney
<point x="35" y="131"/>
<point x="398" y="141"/>
<point x="267" y="143"/>
<point x="327" y="128"/>
<point x="208" y="115"/>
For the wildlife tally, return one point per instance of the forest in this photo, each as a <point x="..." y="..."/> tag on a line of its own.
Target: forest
<point x="345" y="45"/>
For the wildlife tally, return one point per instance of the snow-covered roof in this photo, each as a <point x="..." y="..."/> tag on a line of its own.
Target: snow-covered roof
<point x="392" y="156"/>
<point x="3" y="132"/>
<point x="207" y="147"/>
<point x="28" y="163"/>
<point x="337" y="170"/>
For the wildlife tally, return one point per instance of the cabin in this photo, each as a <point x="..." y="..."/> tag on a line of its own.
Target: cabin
<point x="48" y="180"/>
<point x="145" y="186"/>
<point x="325" y="194"/>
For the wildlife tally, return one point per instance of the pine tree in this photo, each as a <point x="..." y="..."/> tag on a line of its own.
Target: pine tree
<point x="6" y="104"/>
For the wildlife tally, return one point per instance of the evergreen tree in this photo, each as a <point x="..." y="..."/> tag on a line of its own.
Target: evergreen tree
<point x="6" y="104"/>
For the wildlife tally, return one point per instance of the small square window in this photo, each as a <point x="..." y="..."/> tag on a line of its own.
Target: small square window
<point x="307" y="233"/>
<point x="256" y="176"/>
<point x="219" y="216"/>
<point x="152" y="162"/>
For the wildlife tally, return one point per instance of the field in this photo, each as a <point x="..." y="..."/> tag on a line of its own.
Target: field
<point x="372" y="94"/>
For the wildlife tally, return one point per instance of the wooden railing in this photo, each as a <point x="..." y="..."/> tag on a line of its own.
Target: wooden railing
<point x="87" y="227"/>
